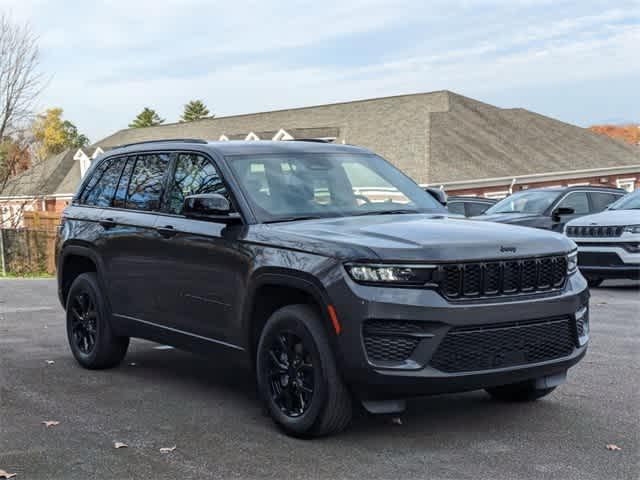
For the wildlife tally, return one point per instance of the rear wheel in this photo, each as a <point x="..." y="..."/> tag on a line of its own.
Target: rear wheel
<point x="91" y="339"/>
<point x="297" y="375"/>
<point x="519" y="392"/>
<point x="594" y="282"/>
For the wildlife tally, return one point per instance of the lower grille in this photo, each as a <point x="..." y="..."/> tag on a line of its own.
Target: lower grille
<point x="475" y="348"/>
<point x="599" y="259"/>
<point x="391" y="340"/>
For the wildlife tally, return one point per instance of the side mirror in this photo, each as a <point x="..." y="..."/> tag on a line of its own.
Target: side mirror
<point x="211" y="206"/>
<point x="560" y="211"/>
<point x="438" y="194"/>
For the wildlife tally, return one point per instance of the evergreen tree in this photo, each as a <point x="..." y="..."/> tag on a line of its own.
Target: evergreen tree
<point x="147" y="118"/>
<point x="195" y="110"/>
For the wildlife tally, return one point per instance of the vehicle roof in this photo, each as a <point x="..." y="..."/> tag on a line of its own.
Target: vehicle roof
<point x="234" y="147"/>
<point x="576" y="187"/>
<point x="470" y="198"/>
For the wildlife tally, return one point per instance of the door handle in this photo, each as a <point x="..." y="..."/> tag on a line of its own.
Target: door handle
<point x="107" y="223"/>
<point x="167" y="231"/>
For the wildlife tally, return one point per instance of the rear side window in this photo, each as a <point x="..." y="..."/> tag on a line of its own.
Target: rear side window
<point x="147" y="182"/>
<point x="601" y="200"/>
<point x="456" y="208"/>
<point x="120" y="199"/>
<point x="102" y="186"/>
<point x="194" y="174"/>
<point x="477" y="208"/>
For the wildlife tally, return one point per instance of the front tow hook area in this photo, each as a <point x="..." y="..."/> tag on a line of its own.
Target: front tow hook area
<point x="381" y="407"/>
<point x="551" y="381"/>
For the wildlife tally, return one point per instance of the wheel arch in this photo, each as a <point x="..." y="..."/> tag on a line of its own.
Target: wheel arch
<point x="74" y="261"/>
<point x="271" y="291"/>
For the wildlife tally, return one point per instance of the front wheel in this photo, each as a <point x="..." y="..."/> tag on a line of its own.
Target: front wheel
<point x="519" y="392"/>
<point x="297" y="375"/>
<point x="91" y="339"/>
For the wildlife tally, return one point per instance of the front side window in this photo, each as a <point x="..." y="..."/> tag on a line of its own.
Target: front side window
<point x="194" y="174"/>
<point x="146" y="184"/>
<point x="535" y="202"/>
<point x="578" y="201"/>
<point x="288" y="186"/>
<point x="102" y="186"/>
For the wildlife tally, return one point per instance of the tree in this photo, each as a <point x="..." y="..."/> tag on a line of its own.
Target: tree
<point x="55" y="135"/>
<point x="195" y="110"/>
<point x="147" y="118"/>
<point x="20" y="84"/>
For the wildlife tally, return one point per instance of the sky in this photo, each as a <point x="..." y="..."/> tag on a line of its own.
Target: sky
<point x="577" y="61"/>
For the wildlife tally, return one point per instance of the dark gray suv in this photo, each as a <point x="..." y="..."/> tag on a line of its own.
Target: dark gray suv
<point x="333" y="274"/>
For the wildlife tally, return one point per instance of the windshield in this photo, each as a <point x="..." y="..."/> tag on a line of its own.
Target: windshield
<point x="525" y="202"/>
<point x="630" y="201"/>
<point x="283" y="187"/>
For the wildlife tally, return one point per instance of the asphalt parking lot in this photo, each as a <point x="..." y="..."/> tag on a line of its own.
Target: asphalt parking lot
<point x="208" y="409"/>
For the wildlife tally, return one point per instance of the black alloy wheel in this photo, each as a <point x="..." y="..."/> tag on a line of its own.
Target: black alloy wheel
<point x="83" y="322"/>
<point x="91" y="337"/>
<point x="291" y="374"/>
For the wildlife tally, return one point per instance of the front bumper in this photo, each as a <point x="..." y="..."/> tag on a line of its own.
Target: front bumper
<point x="604" y="259"/>
<point x="356" y="305"/>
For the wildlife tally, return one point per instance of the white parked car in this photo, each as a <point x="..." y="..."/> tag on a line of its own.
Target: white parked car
<point x="609" y="242"/>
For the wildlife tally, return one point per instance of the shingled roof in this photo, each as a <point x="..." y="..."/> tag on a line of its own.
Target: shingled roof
<point x="58" y="174"/>
<point x="436" y="137"/>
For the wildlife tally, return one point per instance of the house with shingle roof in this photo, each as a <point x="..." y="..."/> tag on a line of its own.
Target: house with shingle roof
<point x="439" y="139"/>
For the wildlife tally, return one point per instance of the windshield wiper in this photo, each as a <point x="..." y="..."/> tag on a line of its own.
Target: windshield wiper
<point x="386" y="212"/>
<point x="293" y="219"/>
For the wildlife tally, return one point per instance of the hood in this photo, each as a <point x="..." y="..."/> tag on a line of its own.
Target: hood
<point x="418" y="237"/>
<point x="608" y="218"/>
<point x="507" y="217"/>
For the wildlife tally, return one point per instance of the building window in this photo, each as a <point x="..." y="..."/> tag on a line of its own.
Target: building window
<point x="628" y="184"/>
<point x="497" y="195"/>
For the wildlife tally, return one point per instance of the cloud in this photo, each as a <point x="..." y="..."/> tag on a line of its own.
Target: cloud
<point x="111" y="59"/>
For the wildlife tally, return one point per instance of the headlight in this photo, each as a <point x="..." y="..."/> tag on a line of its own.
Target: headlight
<point x="572" y="262"/>
<point x="632" y="229"/>
<point x="407" y="275"/>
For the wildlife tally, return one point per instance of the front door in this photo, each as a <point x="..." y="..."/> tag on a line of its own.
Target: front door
<point x="578" y="202"/>
<point x="204" y="262"/>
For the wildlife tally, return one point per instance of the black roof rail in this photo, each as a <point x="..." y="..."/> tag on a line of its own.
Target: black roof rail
<point x="165" y="140"/>
<point x="313" y="140"/>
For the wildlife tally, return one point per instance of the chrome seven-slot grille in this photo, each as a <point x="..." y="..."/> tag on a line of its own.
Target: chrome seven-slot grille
<point x="594" y="231"/>
<point x="508" y="277"/>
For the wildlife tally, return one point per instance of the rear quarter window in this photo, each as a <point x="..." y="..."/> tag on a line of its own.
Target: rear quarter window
<point x="102" y="186"/>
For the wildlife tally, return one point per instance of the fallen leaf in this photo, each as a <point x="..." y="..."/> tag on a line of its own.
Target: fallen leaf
<point x="168" y="449"/>
<point x="613" y="448"/>
<point x="120" y="445"/>
<point x="4" y="474"/>
<point x="51" y="423"/>
<point x="396" y="421"/>
<point x="50" y="362"/>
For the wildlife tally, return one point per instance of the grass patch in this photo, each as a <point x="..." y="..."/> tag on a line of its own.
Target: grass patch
<point x="27" y="275"/>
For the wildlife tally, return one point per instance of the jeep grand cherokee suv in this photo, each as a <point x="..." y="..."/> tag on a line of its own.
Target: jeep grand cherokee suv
<point x="336" y="276"/>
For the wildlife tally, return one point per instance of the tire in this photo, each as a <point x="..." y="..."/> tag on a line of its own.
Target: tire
<point x="594" y="282"/>
<point x="89" y="332"/>
<point x="519" y="392"/>
<point x="296" y="332"/>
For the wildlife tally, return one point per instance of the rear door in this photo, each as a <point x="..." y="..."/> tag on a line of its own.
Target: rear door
<point x="204" y="263"/>
<point x="130" y="246"/>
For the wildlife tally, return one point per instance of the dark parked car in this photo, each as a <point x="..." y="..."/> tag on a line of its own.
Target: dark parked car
<point x="335" y="276"/>
<point x="551" y="208"/>
<point x="469" y="206"/>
